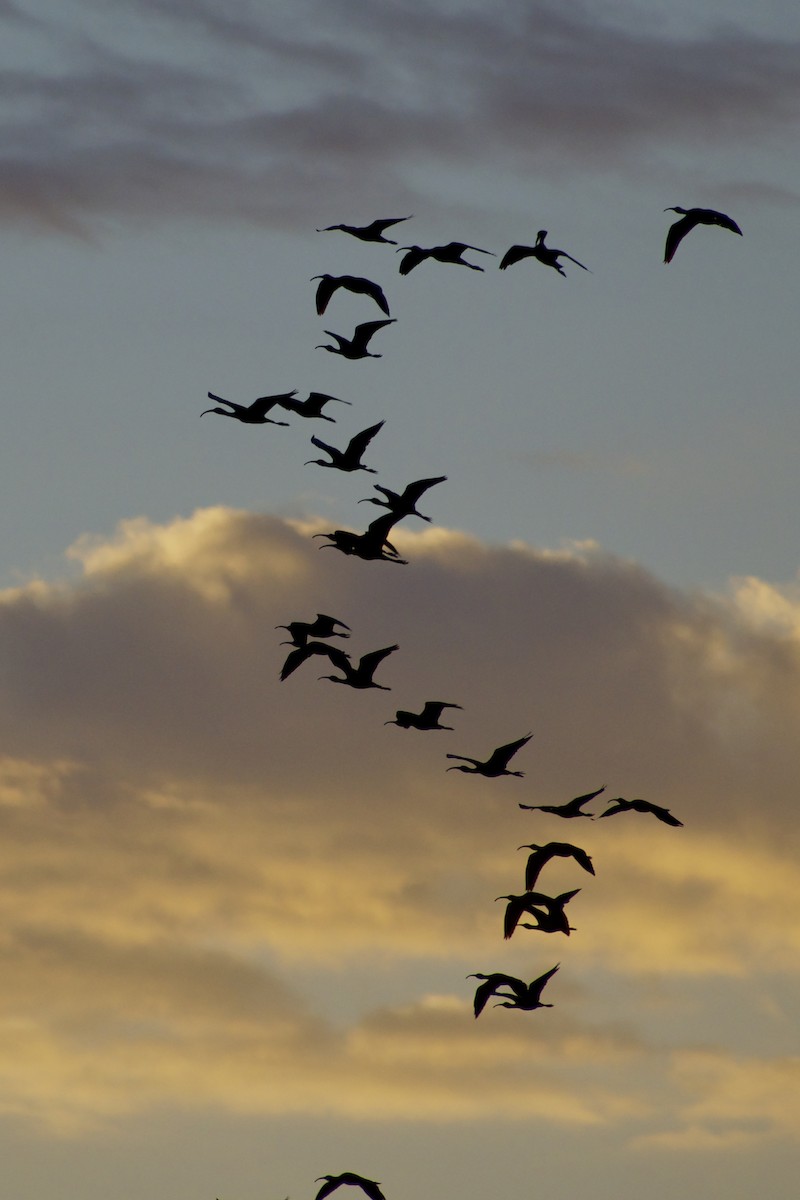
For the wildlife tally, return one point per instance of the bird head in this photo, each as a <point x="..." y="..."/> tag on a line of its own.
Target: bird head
<point x="676" y="208"/>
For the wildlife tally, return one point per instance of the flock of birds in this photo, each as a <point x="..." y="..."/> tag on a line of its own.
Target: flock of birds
<point x="313" y="639"/>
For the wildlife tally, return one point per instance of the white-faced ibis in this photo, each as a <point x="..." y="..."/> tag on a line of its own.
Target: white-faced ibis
<point x="450" y="253"/>
<point x="356" y="346"/>
<point x="403" y="504"/>
<point x="521" y="995"/>
<point x="348" y="459"/>
<point x="427" y="719"/>
<point x="352" y="283"/>
<point x="251" y="414"/>
<point x="691" y="217"/>
<point x="359" y="676"/>
<point x="573" y="808"/>
<point x="369" y="233"/>
<point x="643" y="806"/>
<point x="497" y="762"/>
<point x="542" y="854"/>
<point x="322" y="626"/>
<point x="370" y="1187"/>
<point x="543" y="254"/>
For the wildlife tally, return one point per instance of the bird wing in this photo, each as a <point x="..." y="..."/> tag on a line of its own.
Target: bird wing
<point x="490" y="986"/>
<point x="726" y="222"/>
<point x="564" y="254"/>
<point x="663" y="814"/>
<point x="295" y="658"/>
<point x="365" y="287"/>
<point x="318" y="442"/>
<point x="369" y="662"/>
<point x="358" y="443"/>
<point x="230" y="403"/>
<point x="503" y="754"/>
<point x="567" y="850"/>
<point x="579" y="801"/>
<point x="412" y="258"/>
<point x="413" y="491"/>
<point x="263" y="404"/>
<point x="325" y="289"/>
<point x="514" y="254"/>
<point x="385" y="223"/>
<point x="536" y="986"/>
<point x="676" y="233"/>
<point x="331" y="1184"/>
<point x="536" y="860"/>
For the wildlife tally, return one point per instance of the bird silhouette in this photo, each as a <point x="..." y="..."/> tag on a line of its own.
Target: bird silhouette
<point x="542" y="854"/>
<point x="497" y="762"/>
<point x="296" y="658"/>
<point x="691" y="217"/>
<point x="372" y="544"/>
<point x="251" y="414"/>
<point x="348" y="459"/>
<point x="322" y="626"/>
<point x="571" y="809"/>
<point x="427" y="719"/>
<point x="403" y="504"/>
<point x="359" y="676"/>
<point x="352" y="283"/>
<point x="522" y="995"/>
<point x="548" y="911"/>
<point x="643" y="806"/>
<point x="356" y="346"/>
<point x="370" y="1187"/>
<point x="312" y="406"/>
<point x="369" y="233"/>
<point x="543" y="254"/>
<point x="450" y="253"/>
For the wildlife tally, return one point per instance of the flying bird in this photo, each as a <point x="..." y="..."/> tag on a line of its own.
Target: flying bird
<point x="312" y="406"/>
<point x="691" y="217"/>
<point x="369" y="233"/>
<point x="450" y="253"/>
<point x="348" y="459"/>
<point x="427" y="719"/>
<point x="296" y="658"/>
<point x="403" y="504"/>
<point x="356" y="346"/>
<point x="352" y="283"/>
<point x="497" y="762"/>
<point x="369" y="1186"/>
<point x="322" y="626"/>
<point x="548" y="911"/>
<point x="573" y="808"/>
<point x="525" y="996"/>
<point x="251" y="414"/>
<point x="358" y="676"/>
<point x="541" y="855"/>
<point x="543" y="254"/>
<point x="371" y="545"/>
<point x="643" y="806"/>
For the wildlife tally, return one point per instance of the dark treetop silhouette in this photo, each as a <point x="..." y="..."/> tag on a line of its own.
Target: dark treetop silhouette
<point x="542" y="854"/>
<point x="251" y="414"/>
<point x="370" y="545"/>
<point x="361" y="675"/>
<point x="691" y="217"/>
<point x="322" y="626"/>
<point x="403" y="504"/>
<point x="526" y="996"/>
<point x="573" y="808"/>
<point x="356" y="346"/>
<point x="543" y="254"/>
<point x="369" y="233"/>
<point x="548" y="911"/>
<point x="427" y="719"/>
<point x="619" y="805"/>
<point x="312" y="406"/>
<point x="352" y="283"/>
<point x="370" y="1187"/>
<point x="450" y="253"/>
<point x="348" y="459"/>
<point x="497" y="762"/>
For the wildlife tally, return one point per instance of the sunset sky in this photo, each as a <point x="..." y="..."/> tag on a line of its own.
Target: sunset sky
<point x="237" y="913"/>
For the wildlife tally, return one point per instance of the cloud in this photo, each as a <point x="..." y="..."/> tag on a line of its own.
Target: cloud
<point x="199" y="861"/>
<point x="260" y="115"/>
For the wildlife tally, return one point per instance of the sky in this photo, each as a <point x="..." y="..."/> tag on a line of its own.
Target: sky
<point x="239" y="913"/>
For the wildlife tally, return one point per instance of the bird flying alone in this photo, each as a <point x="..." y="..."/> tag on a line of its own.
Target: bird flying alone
<point x="356" y="346"/>
<point x="370" y="1187"/>
<point x="369" y="233"/>
<point x="348" y="459"/>
<point x="329" y="284"/>
<point x="691" y="217"/>
<point x="643" y="806"/>
<point x="543" y="254"/>
<point x="497" y="762"/>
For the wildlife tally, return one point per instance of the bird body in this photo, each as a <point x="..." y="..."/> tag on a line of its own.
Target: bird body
<point x="369" y="233"/>
<point x="404" y="504"/>
<point x="322" y="627"/>
<point x="348" y="459"/>
<point x="522" y="995"/>
<point x="371" y="545"/>
<point x="452" y="252"/>
<point x="370" y="1187"/>
<point x="312" y="406"/>
<point x="356" y="346"/>
<point x="543" y="254"/>
<point x="643" y="806"/>
<point x="359" y="676"/>
<point x="251" y="414"/>
<point x="497" y="762"/>
<point x="427" y="719"/>
<point x="542" y="854"/>
<point x="691" y="217"/>
<point x="573" y="808"/>
<point x="329" y="284"/>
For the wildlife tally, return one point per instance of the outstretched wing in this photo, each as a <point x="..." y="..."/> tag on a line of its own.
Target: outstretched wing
<point x="413" y="491"/>
<point x="412" y="258"/>
<point x="536" y="986"/>
<point x="359" y="443"/>
<point x="675" y="235"/>
<point x="503" y="754"/>
<point x="327" y="286"/>
<point x="369" y="662"/>
<point x="514" y="254"/>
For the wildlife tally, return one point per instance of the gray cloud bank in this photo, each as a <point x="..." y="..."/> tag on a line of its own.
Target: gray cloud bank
<point x="274" y="117"/>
